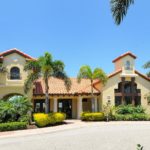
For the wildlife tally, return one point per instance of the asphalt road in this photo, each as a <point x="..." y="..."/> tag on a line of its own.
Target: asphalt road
<point x="93" y="137"/>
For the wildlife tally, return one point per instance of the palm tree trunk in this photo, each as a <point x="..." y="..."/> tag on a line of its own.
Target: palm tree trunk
<point x="47" y="102"/>
<point x="92" y="97"/>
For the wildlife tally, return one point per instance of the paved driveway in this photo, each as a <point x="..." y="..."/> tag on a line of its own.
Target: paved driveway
<point x="85" y="136"/>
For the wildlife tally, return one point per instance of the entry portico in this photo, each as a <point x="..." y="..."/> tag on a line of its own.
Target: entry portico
<point x="72" y="102"/>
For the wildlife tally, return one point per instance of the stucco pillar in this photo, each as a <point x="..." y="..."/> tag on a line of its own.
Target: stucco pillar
<point x="55" y="104"/>
<point x="95" y="100"/>
<point x="79" y="107"/>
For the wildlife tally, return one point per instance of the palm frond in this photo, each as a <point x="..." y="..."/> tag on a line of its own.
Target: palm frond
<point x="84" y="72"/>
<point x="30" y="79"/>
<point x="147" y="65"/>
<point x="119" y="9"/>
<point x="148" y="74"/>
<point x="98" y="73"/>
<point x="32" y="65"/>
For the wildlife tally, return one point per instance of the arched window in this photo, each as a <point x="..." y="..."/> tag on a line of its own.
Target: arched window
<point x="128" y="65"/>
<point x="15" y="73"/>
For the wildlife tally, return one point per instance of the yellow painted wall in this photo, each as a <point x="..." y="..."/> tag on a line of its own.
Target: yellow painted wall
<point x="108" y="89"/>
<point x="144" y="85"/>
<point x="8" y="86"/>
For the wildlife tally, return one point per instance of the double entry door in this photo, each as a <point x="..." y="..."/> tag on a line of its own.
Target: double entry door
<point x="65" y="106"/>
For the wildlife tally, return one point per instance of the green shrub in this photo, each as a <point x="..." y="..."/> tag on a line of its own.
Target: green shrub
<point x="130" y="113"/>
<point x="98" y="116"/>
<point x="129" y="109"/>
<point x="132" y="117"/>
<point x="24" y="118"/>
<point x="15" y="109"/>
<point x="43" y="120"/>
<point x="13" y="126"/>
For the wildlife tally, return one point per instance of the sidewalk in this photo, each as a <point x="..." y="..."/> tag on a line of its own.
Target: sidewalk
<point x="70" y="124"/>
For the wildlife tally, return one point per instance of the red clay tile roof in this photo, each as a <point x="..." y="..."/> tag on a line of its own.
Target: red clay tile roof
<point x="114" y="73"/>
<point x="127" y="53"/>
<point x="57" y="87"/>
<point x="14" y="50"/>
<point x="142" y="75"/>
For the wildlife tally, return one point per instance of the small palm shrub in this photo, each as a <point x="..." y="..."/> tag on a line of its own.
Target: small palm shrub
<point x="15" y="109"/>
<point x="43" y="120"/>
<point x="97" y="116"/>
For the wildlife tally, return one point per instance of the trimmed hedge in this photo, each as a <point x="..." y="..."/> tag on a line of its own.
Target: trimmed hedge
<point x="98" y="116"/>
<point x="43" y="120"/>
<point x="10" y="126"/>
<point x="131" y="117"/>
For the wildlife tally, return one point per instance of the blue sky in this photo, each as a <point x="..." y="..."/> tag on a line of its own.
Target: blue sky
<point x="77" y="32"/>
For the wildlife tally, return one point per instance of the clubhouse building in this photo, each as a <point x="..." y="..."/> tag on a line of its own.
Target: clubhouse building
<point x="125" y="86"/>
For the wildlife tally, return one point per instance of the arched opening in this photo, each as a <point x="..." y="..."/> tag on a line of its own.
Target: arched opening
<point x="8" y="96"/>
<point x="127" y="93"/>
<point x="15" y="73"/>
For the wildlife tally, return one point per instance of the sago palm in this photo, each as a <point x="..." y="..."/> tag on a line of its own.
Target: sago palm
<point x="86" y="72"/>
<point x="119" y="9"/>
<point x="147" y="66"/>
<point x="45" y="67"/>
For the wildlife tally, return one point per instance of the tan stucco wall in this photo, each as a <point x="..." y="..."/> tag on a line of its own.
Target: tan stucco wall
<point x="121" y="63"/>
<point x="8" y="86"/>
<point x="118" y="65"/>
<point x="108" y="89"/>
<point x="144" y="85"/>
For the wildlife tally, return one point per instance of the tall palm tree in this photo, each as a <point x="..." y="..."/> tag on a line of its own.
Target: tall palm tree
<point x="147" y="66"/>
<point x="45" y="67"/>
<point x="86" y="72"/>
<point x="119" y="9"/>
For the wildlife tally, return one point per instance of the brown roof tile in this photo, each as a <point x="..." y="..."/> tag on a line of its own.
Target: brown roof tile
<point x="127" y="53"/>
<point x="14" y="50"/>
<point x="57" y="87"/>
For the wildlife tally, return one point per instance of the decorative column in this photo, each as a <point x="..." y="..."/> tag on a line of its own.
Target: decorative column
<point x="122" y="90"/>
<point x="55" y="104"/>
<point x="132" y="90"/>
<point x="95" y="100"/>
<point x="79" y="107"/>
<point x="93" y="104"/>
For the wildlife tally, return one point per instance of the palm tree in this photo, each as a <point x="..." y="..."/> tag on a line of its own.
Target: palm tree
<point x="147" y="66"/>
<point x="119" y="9"/>
<point x="45" y="67"/>
<point x="86" y="72"/>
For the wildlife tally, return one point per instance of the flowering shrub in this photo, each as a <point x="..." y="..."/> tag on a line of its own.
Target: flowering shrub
<point x="97" y="116"/>
<point x="43" y="120"/>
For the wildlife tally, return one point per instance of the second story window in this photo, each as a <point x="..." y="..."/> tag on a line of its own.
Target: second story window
<point x="128" y="65"/>
<point x="15" y="73"/>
